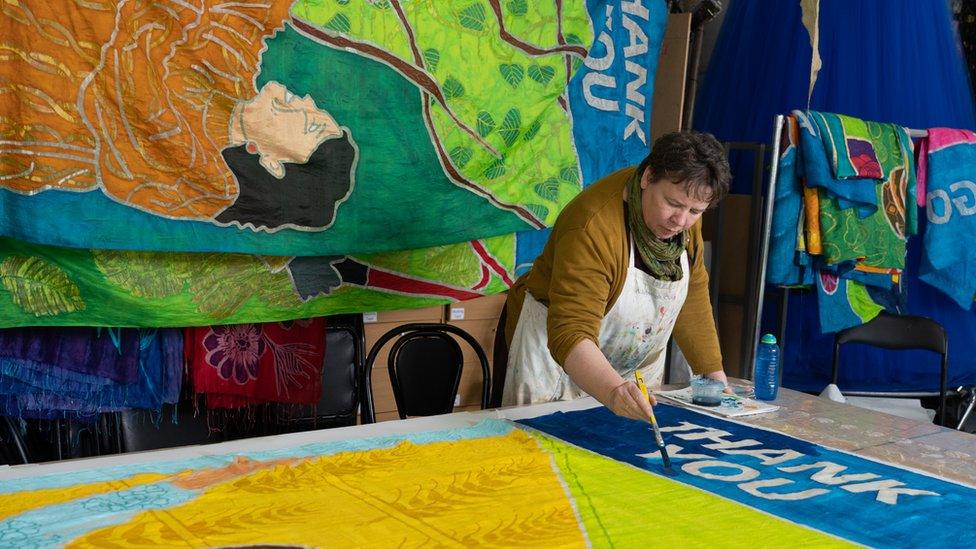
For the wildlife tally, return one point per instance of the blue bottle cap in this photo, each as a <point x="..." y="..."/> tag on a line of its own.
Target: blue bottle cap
<point x="768" y="338"/>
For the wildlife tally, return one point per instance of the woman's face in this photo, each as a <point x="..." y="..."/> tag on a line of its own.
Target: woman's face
<point x="668" y="208"/>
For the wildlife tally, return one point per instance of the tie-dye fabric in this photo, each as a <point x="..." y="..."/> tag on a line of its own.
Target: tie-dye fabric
<point x="81" y="372"/>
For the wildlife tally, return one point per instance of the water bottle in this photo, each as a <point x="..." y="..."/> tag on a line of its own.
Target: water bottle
<point x="767" y="368"/>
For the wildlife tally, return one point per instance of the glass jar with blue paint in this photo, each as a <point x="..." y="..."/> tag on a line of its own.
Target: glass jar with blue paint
<point x="706" y="391"/>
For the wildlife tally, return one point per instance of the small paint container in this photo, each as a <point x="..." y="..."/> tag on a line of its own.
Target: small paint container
<point x="706" y="392"/>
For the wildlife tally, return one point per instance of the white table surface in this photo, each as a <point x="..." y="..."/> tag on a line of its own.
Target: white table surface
<point x="920" y="446"/>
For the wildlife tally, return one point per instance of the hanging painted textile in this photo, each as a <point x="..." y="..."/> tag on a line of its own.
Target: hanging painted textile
<point x="472" y="152"/>
<point x="610" y="97"/>
<point x="286" y="127"/>
<point x="575" y="479"/>
<point x="43" y="285"/>
<point x="237" y="365"/>
<point x="869" y="72"/>
<point x="79" y="372"/>
<point x="844" y="208"/>
<point x="949" y="251"/>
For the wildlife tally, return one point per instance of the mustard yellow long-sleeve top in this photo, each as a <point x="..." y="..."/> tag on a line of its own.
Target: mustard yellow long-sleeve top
<point x="582" y="270"/>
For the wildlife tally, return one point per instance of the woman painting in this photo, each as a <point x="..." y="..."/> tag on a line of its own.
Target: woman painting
<point x="622" y="270"/>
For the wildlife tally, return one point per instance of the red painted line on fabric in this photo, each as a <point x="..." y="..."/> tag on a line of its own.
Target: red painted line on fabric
<point x="487" y="258"/>
<point x="382" y="279"/>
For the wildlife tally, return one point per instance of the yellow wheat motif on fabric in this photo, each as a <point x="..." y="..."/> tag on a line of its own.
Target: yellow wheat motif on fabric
<point x="499" y="491"/>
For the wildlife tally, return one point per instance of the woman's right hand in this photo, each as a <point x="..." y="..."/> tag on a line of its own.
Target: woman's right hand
<point x="589" y="369"/>
<point x="627" y="400"/>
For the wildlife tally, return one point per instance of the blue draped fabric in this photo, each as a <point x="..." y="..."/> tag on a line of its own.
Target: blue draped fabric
<point x="79" y="372"/>
<point x="886" y="60"/>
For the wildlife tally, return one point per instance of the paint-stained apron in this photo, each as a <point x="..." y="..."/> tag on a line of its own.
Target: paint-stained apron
<point x="634" y="334"/>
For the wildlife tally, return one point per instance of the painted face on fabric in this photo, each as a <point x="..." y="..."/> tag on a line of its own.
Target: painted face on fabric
<point x="284" y="127"/>
<point x="667" y="207"/>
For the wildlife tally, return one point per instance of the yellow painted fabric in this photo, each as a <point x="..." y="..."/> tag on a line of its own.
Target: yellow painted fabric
<point x="811" y="205"/>
<point x="15" y="503"/>
<point x="497" y="491"/>
<point x="622" y="506"/>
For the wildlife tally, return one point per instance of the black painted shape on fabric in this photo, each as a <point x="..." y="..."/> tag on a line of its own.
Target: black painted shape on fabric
<point x="313" y="276"/>
<point x="306" y="197"/>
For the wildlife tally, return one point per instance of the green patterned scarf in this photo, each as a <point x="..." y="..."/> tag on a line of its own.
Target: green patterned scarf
<point x="662" y="257"/>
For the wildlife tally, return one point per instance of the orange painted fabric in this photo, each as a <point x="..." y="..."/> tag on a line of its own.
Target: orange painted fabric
<point x="811" y="210"/>
<point x="141" y="111"/>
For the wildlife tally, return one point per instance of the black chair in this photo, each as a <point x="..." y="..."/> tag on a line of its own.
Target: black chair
<point x="425" y="366"/>
<point x="182" y="424"/>
<point x="342" y="375"/>
<point x="898" y="332"/>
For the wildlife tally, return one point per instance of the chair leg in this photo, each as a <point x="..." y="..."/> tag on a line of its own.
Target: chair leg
<point x="18" y="441"/>
<point x="835" y="368"/>
<point x="942" y="390"/>
<point x="971" y="398"/>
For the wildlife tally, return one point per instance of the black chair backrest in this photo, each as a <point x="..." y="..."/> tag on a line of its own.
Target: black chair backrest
<point x="898" y="332"/>
<point x="341" y="372"/>
<point x="425" y="373"/>
<point x="425" y="365"/>
<point x="174" y="425"/>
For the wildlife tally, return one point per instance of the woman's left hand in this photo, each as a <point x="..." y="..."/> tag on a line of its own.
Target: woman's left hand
<point x="720" y="376"/>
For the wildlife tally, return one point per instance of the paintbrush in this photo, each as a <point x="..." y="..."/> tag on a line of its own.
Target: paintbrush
<point x="657" y="432"/>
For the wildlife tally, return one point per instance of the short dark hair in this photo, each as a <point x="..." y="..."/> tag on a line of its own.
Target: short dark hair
<point x="695" y="159"/>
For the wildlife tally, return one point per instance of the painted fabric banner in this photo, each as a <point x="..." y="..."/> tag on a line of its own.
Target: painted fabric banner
<point x="293" y="128"/>
<point x="239" y="365"/>
<point x="489" y="484"/>
<point x="45" y="285"/>
<point x="834" y="492"/>
<point x="610" y="97"/>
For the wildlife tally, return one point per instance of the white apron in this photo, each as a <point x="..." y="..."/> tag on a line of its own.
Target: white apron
<point x="634" y="334"/>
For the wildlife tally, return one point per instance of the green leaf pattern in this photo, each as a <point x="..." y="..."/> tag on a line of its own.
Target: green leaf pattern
<point x="453" y="89"/>
<point x="339" y="23"/>
<point x="495" y="170"/>
<point x="485" y="123"/>
<point x="513" y="73"/>
<point x="460" y="156"/>
<point x="510" y="127"/>
<point x="142" y="274"/>
<point x="548" y="189"/>
<point x="473" y="17"/>
<point x="518" y="8"/>
<point x="541" y="73"/>
<point x="570" y="174"/>
<point x="431" y="58"/>
<point x="40" y="288"/>
<point x="531" y="130"/>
